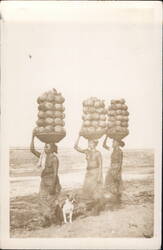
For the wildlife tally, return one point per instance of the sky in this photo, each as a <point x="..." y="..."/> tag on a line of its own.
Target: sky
<point x="102" y="52"/>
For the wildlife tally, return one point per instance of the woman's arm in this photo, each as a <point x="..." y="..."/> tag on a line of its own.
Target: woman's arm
<point x="100" y="166"/>
<point x="77" y="146"/>
<point x="32" y="147"/>
<point x="55" y="165"/>
<point x="105" y="143"/>
<point x="121" y="158"/>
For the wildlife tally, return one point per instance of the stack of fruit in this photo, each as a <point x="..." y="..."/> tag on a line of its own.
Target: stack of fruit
<point x="118" y="119"/>
<point x="94" y="118"/>
<point x="50" y="123"/>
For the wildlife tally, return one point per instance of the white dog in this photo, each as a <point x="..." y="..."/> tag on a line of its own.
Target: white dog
<point x="68" y="209"/>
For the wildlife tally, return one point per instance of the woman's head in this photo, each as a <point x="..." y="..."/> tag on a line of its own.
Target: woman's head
<point x="54" y="148"/>
<point x="92" y="144"/>
<point x="50" y="148"/>
<point x="117" y="144"/>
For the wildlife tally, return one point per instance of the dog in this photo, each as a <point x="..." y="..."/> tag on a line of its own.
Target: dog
<point x="68" y="209"/>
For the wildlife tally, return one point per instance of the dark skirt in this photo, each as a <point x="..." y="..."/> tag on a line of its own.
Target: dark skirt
<point x="92" y="187"/>
<point x="113" y="180"/>
<point x="48" y="193"/>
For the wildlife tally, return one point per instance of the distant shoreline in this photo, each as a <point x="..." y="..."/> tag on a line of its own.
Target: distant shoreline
<point x="66" y="148"/>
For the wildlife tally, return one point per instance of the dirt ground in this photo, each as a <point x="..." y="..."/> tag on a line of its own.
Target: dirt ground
<point x="133" y="219"/>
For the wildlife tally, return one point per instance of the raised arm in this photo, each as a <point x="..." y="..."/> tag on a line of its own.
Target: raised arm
<point x="55" y="163"/>
<point x="105" y="143"/>
<point x="32" y="147"/>
<point x="100" y="166"/>
<point x="121" y="157"/>
<point x="76" y="146"/>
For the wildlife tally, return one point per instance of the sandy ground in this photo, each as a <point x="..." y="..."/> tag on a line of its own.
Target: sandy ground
<point x="129" y="221"/>
<point x="133" y="219"/>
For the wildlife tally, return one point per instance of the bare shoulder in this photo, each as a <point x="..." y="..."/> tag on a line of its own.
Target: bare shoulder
<point x="54" y="157"/>
<point x="98" y="153"/>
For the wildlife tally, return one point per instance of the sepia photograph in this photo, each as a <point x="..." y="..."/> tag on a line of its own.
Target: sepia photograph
<point x="81" y="125"/>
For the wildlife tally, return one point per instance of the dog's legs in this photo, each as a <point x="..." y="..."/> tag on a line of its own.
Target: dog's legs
<point x="70" y="217"/>
<point x="64" y="217"/>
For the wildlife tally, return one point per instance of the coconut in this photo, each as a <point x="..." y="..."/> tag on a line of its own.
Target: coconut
<point x="58" y="129"/>
<point x="43" y="98"/>
<point x="94" y="123"/>
<point x="87" y="123"/>
<point x="41" y="130"/>
<point x="63" y="115"/>
<point x="111" y="124"/>
<point x="119" y="112"/>
<point x="124" y="107"/>
<point x="59" y="99"/>
<point x="49" y="129"/>
<point x="83" y="131"/>
<point x="112" y="118"/>
<point x="50" y="96"/>
<point x="49" y="121"/>
<point x="112" y="112"/>
<point x="36" y="130"/>
<point x="118" y="123"/>
<point x="118" y="128"/>
<point x="39" y="100"/>
<point x="113" y="107"/>
<point x="95" y="116"/>
<point x="119" y="118"/>
<point x="48" y="106"/>
<point x="122" y="101"/>
<point x="41" y="107"/>
<point x="85" y="117"/>
<point x="40" y="122"/>
<point x="91" y="130"/>
<point x="49" y="113"/>
<point x="41" y="114"/>
<point x="125" y="118"/>
<point x="58" y="107"/>
<point x="113" y="101"/>
<point x="97" y="104"/>
<point x="90" y="102"/>
<point x="54" y="91"/>
<point x="85" y="110"/>
<point x="91" y="109"/>
<point x="124" y="124"/>
<point x="102" y="117"/>
<point x="102" y="124"/>
<point x="58" y="121"/>
<point x="118" y="106"/>
<point x="85" y="104"/>
<point x="126" y="112"/>
<point x="58" y="114"/>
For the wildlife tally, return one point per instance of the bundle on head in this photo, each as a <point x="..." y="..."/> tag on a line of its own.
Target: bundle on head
<point x="118" y="117"/>
<point x="50" y="123"/>
<point x="94" y="118"/>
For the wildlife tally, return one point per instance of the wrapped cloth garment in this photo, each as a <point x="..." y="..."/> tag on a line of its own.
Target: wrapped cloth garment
<point x="49" y="186"/>
<point x="113" y="180"/>
<point x="93" y="182"/>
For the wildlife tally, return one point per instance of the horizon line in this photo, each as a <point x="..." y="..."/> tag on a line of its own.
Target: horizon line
<point x="23" y="148"/>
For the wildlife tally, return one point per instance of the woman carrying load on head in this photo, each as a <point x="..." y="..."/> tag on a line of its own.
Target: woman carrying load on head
<point x="113" y="180"/>
<point x="50" y="186"/>
<point x="93" y="182"/>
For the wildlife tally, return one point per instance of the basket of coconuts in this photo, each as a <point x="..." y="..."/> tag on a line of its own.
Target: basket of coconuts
<point x="50" y="123"/>
<point x="94" y="119"/>
<point x="118" y="117"/>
